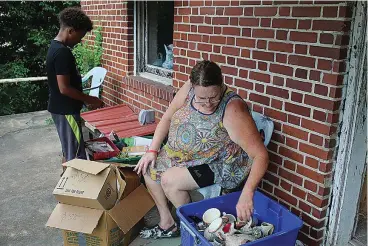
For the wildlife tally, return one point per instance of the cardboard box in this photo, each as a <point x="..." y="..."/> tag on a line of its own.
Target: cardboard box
<point x="88" y="184"/>
<point x="86" y="226"/>
<point x="90" y="226"/>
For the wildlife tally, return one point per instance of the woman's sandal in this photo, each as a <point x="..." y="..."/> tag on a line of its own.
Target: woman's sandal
<point x="157" y="232"/>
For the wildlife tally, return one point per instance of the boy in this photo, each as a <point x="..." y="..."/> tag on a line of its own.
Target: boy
<point x="66" y="97"/>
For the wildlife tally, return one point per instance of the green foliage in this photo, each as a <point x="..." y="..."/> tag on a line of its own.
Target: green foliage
<point x="89" y="56"/>
<point x="26" y="29"/>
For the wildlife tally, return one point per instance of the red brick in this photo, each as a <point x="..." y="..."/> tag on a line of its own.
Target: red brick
<point x="319" y="215"/>
<point x="333" y="79"/>
<point x="296" y="97"/>
<point x="234" y="31"/>
<point x="310" y="186"/>
<point x="317" y="201"/>
<point x="322" y="191"/>
<point x="280" y="69"/>
<point x="218" y="58"/>
<point x="267" y="187"/>
<point x="294" y="132"/>
<point x="221" y="3"/>
<point x="325" y="167"/>
<point x="292" y="143"/>
<point x="194" y="37"/>
<point x="243" y="73"/>
<point x="285" y="196"/>
<point x="265" y="11"/>
<point x="326" y="38"/>
<point x="318" y="152"/>
<point x="291" y="154"/>
<point x="271" y="178"/>
<point x="259" y="77"/>
<point x="299" y="85"/>
<point x="244" y="84"/>
<point x="275" y="91"/>
<point x="246" y="42"/>
<point x="284" y="23"/>
<point x="321" y="103"/>
<point x="230" y="41"/>
<point x="339" y="66"/>
<point x="315" y="75"/>
<point x="324" y="65"/>
<point x="335" y="92"/>
<point x="334" y="53"/>
<point x="301" y="73"/>
<point x="321" y="90"/>
<point x="299" y="193"/>
<point x="205" y="29"/>
<point x="304" y="24"/>
<point x="319" y="115"/>
<point x="310" y="174"/>
<point x="234" y="21"/>
<point x="259" y="88"/>
<point x="233" y="11"/>
<point x="278" y="46"/>
<point x="220" y="20"/>
<point x="205" y="47"/>
<point x="302" y="61"/>
<point x="218" y="39"/>
<point x="281" y="58"/>
<point x="285" y="185"/>
<point x="306" y="12"/>
<point x="281" y="35"/>
<point x="284" y="11"/>
<point x="316" y="127"/>
<point x="290" y="176"/>
<point x="264" y="56"/>
<point x="345" y="11"/>
<point x="261" y="44"/>
<point x="243" y="94"/>
<point x="296" y="109"/>
<point x="246" y="63"/>
<point x="295" y="120"/>
<point x="248" y="11"/>
<point x="276" y="104"/>
<point x="243" y="21"/>
<point x="230" y="70"/>
<point x="317" y="140"/>
<point x="196" y="3"/>
<point x="266" y="22"/>
<point x="308" y="37"/>
<point x="275" y="114"/>
<point x="231" y="51"/>
<point x="216" y="49"/>
<point x="207" y="10"/>
<point x="331" y="25"/>
<point x="263" y="33"/>
<point x="301" y="49"/>
<point x="289" y="165"/>
<point x="304" y="207"/>
<point x="259" y="98"/>
<point x="278" y="81"/>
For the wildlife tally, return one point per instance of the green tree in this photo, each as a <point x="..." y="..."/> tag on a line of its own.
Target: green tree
<point x="26" y="29"/>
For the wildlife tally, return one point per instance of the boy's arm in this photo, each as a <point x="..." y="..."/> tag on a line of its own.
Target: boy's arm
<point x="67" y="90"/>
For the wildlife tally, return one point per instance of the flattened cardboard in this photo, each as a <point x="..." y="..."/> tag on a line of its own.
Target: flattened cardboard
<point x="74" y="218"/>
<point x="85" y="189"/>
<point x="132" y="208"/>
<point x="91" y="167"/>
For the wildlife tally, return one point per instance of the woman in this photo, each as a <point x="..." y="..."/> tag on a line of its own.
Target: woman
<point x="212" y="138"/>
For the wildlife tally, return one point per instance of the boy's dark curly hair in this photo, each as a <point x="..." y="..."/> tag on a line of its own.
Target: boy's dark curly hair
<point x="75" y="17"/>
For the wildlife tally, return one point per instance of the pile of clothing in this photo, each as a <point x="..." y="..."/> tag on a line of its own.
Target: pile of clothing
<point x="225" y="229"/>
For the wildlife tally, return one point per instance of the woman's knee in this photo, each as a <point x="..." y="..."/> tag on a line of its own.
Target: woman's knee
<point x="168" y="181"/>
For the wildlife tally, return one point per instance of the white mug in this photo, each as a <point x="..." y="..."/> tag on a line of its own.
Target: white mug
<point x="210" y="215"/>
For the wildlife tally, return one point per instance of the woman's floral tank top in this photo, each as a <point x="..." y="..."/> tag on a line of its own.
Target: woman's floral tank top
<point x="196" y="138"/>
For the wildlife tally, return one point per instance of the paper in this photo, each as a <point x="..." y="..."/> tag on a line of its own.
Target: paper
<point x="139" y="141"/>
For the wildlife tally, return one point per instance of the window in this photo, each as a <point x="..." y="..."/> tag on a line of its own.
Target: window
<point x="154" y="22"/>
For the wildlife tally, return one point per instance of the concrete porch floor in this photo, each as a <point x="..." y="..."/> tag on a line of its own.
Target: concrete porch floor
<point x="30" y="155"/>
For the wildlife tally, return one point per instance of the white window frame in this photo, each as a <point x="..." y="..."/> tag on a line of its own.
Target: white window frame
<point x="141" y="67"/>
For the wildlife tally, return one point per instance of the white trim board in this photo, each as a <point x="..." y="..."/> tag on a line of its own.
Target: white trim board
<point x="351" y="153"/>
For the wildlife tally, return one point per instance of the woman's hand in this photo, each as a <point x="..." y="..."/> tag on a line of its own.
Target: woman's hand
<point x="147" y="159"/>
<point x="244" y="208"/>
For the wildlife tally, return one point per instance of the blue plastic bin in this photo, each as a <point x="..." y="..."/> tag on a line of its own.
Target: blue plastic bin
<point x="287" y="225"/>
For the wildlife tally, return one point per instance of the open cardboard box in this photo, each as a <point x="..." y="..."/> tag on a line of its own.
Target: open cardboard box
<point x="85" y="217"/>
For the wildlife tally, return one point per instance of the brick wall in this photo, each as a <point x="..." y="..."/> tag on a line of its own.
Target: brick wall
<point x="286" y="59"/>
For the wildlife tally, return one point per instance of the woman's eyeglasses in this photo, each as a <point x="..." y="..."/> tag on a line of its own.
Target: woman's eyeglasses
<point x="204" y="101"/>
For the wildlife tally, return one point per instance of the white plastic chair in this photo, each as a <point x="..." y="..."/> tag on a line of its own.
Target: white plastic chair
<point x="98" y="75"/>
<point x="264" y="124"/>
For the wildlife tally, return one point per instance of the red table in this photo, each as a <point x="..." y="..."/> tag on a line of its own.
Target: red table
<point x="121" y="119"/>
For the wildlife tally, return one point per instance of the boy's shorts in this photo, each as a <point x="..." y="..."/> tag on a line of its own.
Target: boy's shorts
<point x="70" y="134"/>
